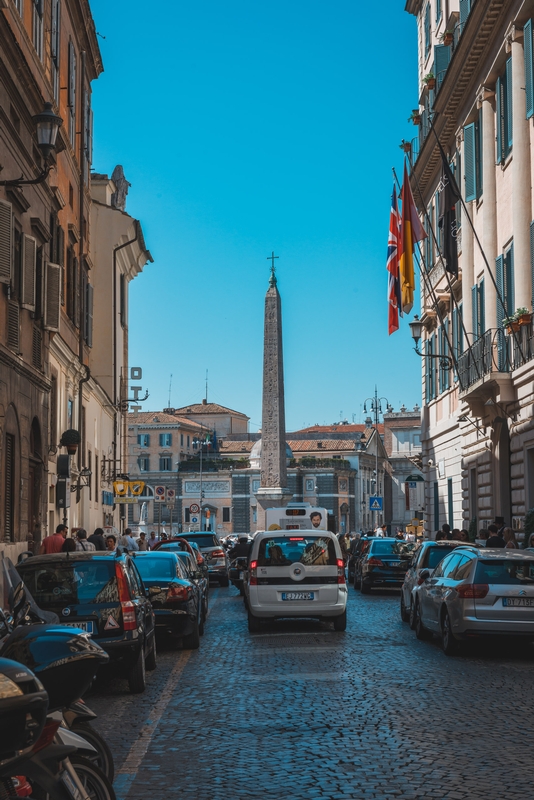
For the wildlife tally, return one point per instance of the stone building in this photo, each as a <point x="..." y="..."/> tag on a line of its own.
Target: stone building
<point x="477" y="421"/>
<point x="404" y="486"/>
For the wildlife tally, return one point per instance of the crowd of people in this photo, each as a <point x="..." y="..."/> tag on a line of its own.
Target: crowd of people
<point x="79" y="541"/>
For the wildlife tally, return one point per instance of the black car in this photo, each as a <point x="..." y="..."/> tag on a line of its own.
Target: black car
<point x="356" y="547"/>
<point x="211" y="548"/>
<point x="382" y="562"/>
<point x="101" y="593"/>
<point x="176" y="600"/>
<point x="199" y="575"/>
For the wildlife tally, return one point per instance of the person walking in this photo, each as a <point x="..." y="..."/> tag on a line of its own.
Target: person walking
<point x="82" y="545"/>
<point x="69" y="545"/>
<point x="111" y="543"/>
<point x="494" y="540"/>
<point x="142" y="542"/>
<point x="152" y="540"/>
<point x="54" y="542"/>
<point x="509" y="537"/>
<point x="127" y="541"/>
<point x="97" y="538"/>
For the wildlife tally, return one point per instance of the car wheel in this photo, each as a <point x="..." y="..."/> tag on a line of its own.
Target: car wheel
<point x="405" y="614"/>
<point x="254" y="625"/>
<point x="365" y="588"/>
<point x="151" y="662"/>
<point x="448" y="642"/>
<point x="224" y="581"/>
<point x="192" y="640"/>
<point x="420" y="631"/>
<point x="357" y="581"/>
<point x="412" y="615"/>
<point x="340" y="623"/>
<point x="137" y="674"/>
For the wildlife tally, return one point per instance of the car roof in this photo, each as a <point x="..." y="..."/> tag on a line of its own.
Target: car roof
<point x="444" y="543"/>
<point x="501" y="552"/>
<point x="157" y="553"/>
<point x="76" y="555"/>
<point x="294" y="532"/>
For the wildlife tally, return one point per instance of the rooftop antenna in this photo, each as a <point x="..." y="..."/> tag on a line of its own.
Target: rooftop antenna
<point x="206" y="386"/>
<point x="170" y="386"/>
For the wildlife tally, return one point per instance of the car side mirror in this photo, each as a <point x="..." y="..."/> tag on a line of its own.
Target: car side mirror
<point x="424" y="575"/>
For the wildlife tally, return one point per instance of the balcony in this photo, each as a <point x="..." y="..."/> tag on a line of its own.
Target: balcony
<point x="493" y="355"/>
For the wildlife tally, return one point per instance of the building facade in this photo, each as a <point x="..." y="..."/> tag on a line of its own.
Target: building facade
<point x="477" y="426"/>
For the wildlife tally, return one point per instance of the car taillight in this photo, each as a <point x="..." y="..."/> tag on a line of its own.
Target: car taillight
<point x="253" y="574"/>
<point x="472" y="590"/>
<point x="177" y="594"/>
<point x="375" y="562"/>
<point x="341" y="571"/>
<point x="47" y="736"/>
<point x="129" y="622"/>
<point x="217" y="553"/>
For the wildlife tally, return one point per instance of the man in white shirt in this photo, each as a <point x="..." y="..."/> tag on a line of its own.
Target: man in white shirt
<point x="128" y="541"/>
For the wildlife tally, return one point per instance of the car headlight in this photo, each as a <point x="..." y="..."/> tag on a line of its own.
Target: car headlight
<point x="8" y="688"/>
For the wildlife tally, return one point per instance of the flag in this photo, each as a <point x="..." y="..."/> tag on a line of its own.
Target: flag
<point x="411" y="231"/>
<point x="449" y="194"/>
<point x="394" y="287"/>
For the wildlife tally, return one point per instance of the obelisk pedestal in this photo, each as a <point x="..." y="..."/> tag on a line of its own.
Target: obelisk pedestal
<point x="273" y="491"/>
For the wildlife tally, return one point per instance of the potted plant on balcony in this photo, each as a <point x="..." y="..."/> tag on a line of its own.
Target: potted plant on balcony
<point x="447" y="38"/>
<point x="70" y="439"/>
<point x="415" y="117"/>
<point x="523" y="316"/>
<point x="510" y="324"/>
<point x="430" y="80"/>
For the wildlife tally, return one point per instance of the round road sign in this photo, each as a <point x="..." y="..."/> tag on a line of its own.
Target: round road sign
<point x="194" y="508"/>
<point x="194" y="519"/>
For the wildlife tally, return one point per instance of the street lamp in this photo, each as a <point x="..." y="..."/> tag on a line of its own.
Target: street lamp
<point x="47" y="125"/>
<point x="416" y="327"/>
<point x="196" y="443"/>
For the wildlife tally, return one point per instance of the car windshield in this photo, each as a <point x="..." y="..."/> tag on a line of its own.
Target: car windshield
<point x="152" y="567"/>
<point x="391" y="548"/>
<point x="281" y="551"/>
<point x="173" y="546"/>
<point x="71" y="583"/>
<point x="505" y="571"/>
<point x="203" y="540"/>
<point x="434" y="555"/>
<point x="186" y="561"/>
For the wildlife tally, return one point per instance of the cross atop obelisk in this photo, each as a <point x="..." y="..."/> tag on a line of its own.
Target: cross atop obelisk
<point x="273" y="460"/>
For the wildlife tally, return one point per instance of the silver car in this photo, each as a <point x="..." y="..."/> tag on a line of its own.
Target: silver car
<point x="476" y="592"/>
<point x="427" y="556"/>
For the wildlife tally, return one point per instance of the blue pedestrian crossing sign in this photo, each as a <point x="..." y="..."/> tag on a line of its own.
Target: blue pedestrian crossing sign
<point x="375" y="503"/>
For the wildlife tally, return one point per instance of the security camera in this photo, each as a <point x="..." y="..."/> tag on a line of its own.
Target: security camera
<point x="430" y="462"/>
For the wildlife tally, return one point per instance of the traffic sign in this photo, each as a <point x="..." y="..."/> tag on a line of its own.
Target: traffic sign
<point x="194" y="508"/>
<point x="375" y="503"/>
<point x="194" y="519"/>
<point x="159" y="494"/>
<point x="170" y="505"/>
<point x="171" y="494"/>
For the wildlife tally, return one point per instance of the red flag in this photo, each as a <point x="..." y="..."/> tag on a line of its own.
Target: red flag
<point x="411" y="231"/>
<point x="394" y="287"/>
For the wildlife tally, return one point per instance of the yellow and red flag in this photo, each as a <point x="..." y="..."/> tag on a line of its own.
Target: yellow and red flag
<point x="411" y="231"/>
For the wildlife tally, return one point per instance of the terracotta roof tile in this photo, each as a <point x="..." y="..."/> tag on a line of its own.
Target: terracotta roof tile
<point x="297" y="445"/>
<point x="339" y="429"/>
<point x="149" y="418"/>
<point x="207" y="408"/>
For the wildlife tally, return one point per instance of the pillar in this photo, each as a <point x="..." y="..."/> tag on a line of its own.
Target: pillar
<point x="468" y="267"/>
<point x="489" y="207"/>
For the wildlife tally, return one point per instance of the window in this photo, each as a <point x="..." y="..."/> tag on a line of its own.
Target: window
<point x="504" y="113"/>
<point x="457" y="335"/>
<point x="226" y="514"/>
<point x="438" y="11"/>
<point x="449" y="567"/>
<point x="19" y="6"/>
<point x="144" y="464"/>
<point x="504" y="269"/>
<point x="165" y="440"/>
<point x="143" y="439"/>
<point x="181" y="440"/>
<point x="187" y="515"/>
<point x="71" y="101"/>
<point x="428" y="225"/>
<point x="38" y="27"/>
<point x="463" y="569"/>
<point x="430" y="377"/>
<point x="122" y="299"/>
<point x="165" y="464"/>
<point x="255" y="485"/>
<point x="73" y="290"/>
<point x="97" y="479"/>
<point x="427" y="30"/>
<point x="478" y="300"/>
<point x="55" y="48"/>
<point x="473" y="159"/>
<point x="188" y="441"/>
<point x="465" y="10"/>
<point x="444" y="370"/>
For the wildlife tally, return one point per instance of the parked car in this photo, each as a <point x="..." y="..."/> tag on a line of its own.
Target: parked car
<point x="198" y="576"/>
<point x="214" y="553"/>
<point x="103" y="594"/>
<point x="426" y="556"/>
<point x="382" y="562"/>
<point x="296" y="574"/>
<point x="356" y="548"/>
<point x="477" y="592"/>
<point x="176" y="600"/>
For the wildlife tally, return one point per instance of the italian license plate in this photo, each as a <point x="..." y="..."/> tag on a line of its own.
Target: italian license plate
<point x="298" y="595"/>
<point x="71" y="786"/>
<point x="518" y="601"/>
<point x="241" y="576"/>
<point x="85" y="626"/>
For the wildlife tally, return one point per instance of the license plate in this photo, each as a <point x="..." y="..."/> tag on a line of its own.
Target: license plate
<point x="71" y="786"/>
<point x="241" y="576"/>
<point x="85" y="626"/>
<point x="298" y="595"/>
<point x="518" y="601"/>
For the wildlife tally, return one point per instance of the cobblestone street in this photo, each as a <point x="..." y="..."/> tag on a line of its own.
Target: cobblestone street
<point x="300" y="711"/>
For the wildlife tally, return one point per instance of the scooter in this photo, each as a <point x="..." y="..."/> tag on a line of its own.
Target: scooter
<point x="236" y="573"/>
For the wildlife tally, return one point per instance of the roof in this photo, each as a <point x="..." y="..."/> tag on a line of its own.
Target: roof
<point x="208" y="408"/>
<point x="296" y="445"/>
<point x="340" y="428"/>
<point x="161" y="418"/>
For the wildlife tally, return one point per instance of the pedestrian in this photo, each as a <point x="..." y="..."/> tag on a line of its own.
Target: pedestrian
<point x="111" y="543"/>
<point x="142" y="543"/>
<point x="501" y="525"/>
<point x="54" y="543"/>
<point x="82" y="545"/>
<point x="127" y="541"/>
<point x="464" y="535"/>
<point x="152" y="540"/>
<point x="69" y="546"/>
<point x="97" y="538"/>
<point x="446" y="530"/>
<point x="494" y="540"/>
<point x="456" y="535"/>
<point x="440" y="536"/>
<point x="509" y="537"/>
<point x="379" y="531"/>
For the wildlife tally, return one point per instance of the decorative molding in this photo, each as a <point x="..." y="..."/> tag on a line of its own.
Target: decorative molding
<point x="40" y="229"/>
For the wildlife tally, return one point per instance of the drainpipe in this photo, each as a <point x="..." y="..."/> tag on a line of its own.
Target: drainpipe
<point x="81" y="268"/>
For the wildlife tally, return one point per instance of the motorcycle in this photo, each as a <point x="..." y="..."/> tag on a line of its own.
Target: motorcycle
<point x="236" y="573"/>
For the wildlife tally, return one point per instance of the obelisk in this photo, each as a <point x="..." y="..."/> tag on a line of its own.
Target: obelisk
<point x="273" y="489"/>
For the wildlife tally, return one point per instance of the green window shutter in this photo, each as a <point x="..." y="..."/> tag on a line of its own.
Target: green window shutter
<point x="499" y="277"/>
<point x="442" y="57"/>
<point x="508" y="110"/>
<point x="529" y="68"/>
<point x="474" y="301"/>
<point x="465" y="8"/>
<point x="509" y="289"/>
<point x="470" y="162"/>
<point x="427" y="28"/>
<point x="441" y="383"/>
<point x="478" y="155"/>
<point x="499" y="119"/>
<point x="460" y="330"/>
<point x="481" y="308"/>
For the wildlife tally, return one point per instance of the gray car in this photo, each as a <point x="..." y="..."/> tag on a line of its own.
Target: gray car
<point x="211" y="548"/>
<point x="477" y="592"/>
<point x="427" y="556"/>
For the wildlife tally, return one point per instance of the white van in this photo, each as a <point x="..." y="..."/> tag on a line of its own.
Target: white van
<point x="296" y="573"/>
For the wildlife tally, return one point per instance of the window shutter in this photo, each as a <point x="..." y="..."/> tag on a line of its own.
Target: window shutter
<point x="52" y="303"/>
<point x="481" y="307"/>
<point x="474" y="301"/>
<point x="161" y="440"/>
<point x="529" y="68"/>
<point x="427" y="28"/>
<point x="6" y="242"/>
<point x="509" y="282"/>
<point x="147" y="439"/>
<point x="29" y="260"/>
<point x="55" y="32"/>
<point x="442" y="57"/>
<point x="89" y="292"/>
<point x="470" y="162"/>
<point x="478" y="155"/>
<point x="465" y="8"/>
<point x="428" y="368"/>
<point x="499" y="113"/>
<point x="441" y="374"/>
<point x="13" y="326"/>
<point x="72" y="76"/>
<point x="508" y="110"/>
<point x="445" y="351"/>
<point x="76" y="292"/>
<point x="499" y="277"/>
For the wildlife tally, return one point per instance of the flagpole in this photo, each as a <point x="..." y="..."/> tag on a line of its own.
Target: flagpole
<point x="499" y="295"/>
<point x="431" y="292"/>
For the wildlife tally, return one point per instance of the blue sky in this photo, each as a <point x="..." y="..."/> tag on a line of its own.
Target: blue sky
<point x="246" y="127"/>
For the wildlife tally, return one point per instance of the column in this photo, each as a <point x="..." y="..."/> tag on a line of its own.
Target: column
<point x="521" y="202"/>
<point x="468" y="267"/>
<point x="489" y="206"/>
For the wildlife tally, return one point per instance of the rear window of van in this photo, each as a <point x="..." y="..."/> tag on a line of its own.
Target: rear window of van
<point x="282" y="551"/>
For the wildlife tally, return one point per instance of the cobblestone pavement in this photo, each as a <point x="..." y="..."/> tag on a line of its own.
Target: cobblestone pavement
<point x="300" y="711"/>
